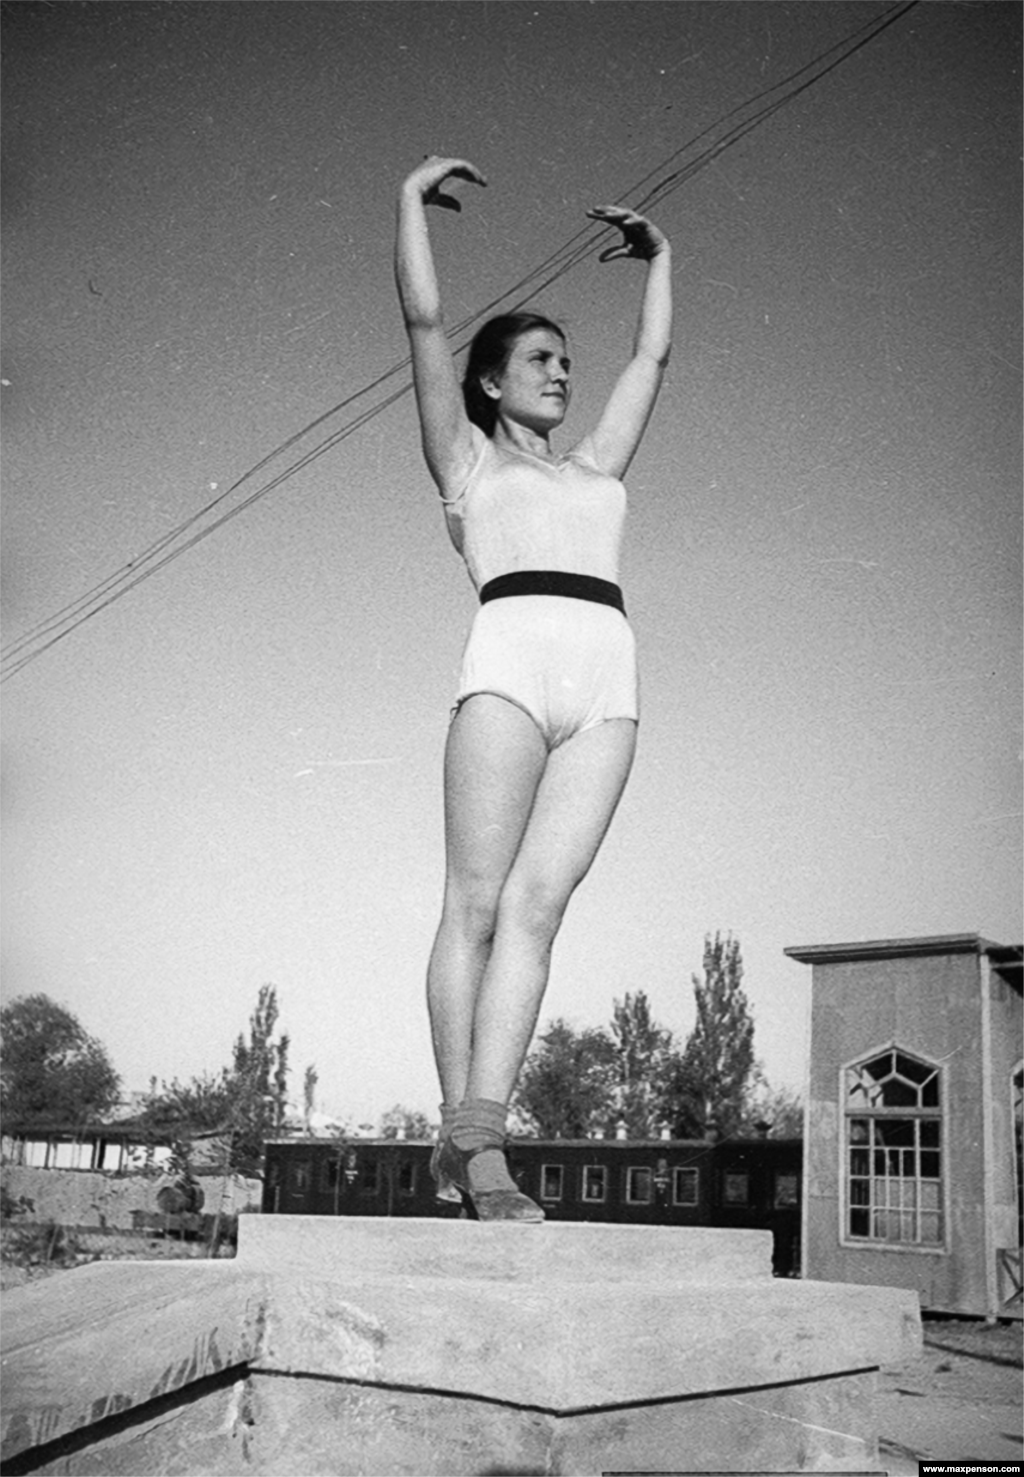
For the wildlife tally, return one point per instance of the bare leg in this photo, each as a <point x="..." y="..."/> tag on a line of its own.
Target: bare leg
<point x="494" y="761"/>
<point x="575" y="799"/>
<point x="522" y="829"/>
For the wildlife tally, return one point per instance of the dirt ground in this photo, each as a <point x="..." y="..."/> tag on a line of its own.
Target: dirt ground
<point x="17" y="1267"/>
<point x="964" y="1358"/>
<point x="991" y="1343"/>
<point x="960" y="1400"/>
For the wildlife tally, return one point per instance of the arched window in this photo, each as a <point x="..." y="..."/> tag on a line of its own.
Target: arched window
<point x="894" y="1151"/>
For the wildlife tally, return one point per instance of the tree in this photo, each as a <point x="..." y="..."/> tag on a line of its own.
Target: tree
<point x="567" y="1086"/>
<point x="260" y="1066"/>
<point x="203" y="1105"/>
<point x="709" y="1083"/>
<point x="643" y="1059"/>
<point x="51" y="1069"/>
<point x="400" y="1119"/>
<point x="309" y="1083"/>
<point x="245" y="1103"/>
<point x="777" y="1111"/>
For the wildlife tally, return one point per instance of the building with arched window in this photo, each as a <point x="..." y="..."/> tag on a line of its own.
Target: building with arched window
<point x="912" y="1173"/>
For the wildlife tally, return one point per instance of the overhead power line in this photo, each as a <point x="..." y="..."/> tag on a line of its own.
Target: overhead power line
<point x="685" y="162"/>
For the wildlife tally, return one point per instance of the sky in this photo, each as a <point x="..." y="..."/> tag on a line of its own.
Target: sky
<point x="232" y="776"/>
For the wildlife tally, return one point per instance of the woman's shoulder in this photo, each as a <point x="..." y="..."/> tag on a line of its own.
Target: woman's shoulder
<point x="584" y="454"/>
<point x="480" y="446"/>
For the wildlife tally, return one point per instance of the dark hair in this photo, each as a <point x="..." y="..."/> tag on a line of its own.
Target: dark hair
<point x="488" y="354"/>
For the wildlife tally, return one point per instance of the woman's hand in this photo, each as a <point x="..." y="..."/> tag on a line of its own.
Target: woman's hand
<point x="641" y="238"/>
<point x="426" y="181"/>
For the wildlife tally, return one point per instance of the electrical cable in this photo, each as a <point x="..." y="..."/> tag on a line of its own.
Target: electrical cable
<point x="46" y="633"/>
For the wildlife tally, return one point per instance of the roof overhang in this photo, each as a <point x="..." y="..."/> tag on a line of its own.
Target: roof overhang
<point x="1002" y="955"/>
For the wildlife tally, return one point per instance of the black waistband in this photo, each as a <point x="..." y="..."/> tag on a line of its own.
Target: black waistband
<point x="553" y="582"/>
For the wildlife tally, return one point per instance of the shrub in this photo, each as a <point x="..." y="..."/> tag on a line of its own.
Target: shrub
<point x="41" y="1245"/>
<point x="14" y="1205"/>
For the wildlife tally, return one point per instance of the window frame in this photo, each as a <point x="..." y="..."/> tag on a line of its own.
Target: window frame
<point x="599" y="1169"/>
<point x="899" y="1113"/>
<point x="629" y="1198"/>
<point x="678" y="1171"/>
<point x="730" y="1202"/>
<point x="331" y="1174"/>
<point x="778" y="1176"/>
<point x="364" y="1169"/>
<point x="559" y="1171"/>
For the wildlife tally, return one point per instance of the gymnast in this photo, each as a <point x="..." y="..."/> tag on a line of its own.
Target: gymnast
<point x="544" y="726"/>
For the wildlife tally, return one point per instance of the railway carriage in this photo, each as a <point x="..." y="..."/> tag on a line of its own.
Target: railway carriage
<point x="751" y="1183"/>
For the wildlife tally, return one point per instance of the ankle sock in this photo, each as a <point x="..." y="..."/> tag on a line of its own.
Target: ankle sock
<point x="479" y="1124"/>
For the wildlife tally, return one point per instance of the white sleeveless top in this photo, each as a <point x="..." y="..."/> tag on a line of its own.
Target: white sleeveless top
<point x="518" y="511"/>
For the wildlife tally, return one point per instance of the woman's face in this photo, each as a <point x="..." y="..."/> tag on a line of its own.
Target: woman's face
<point x="533" y="388"/>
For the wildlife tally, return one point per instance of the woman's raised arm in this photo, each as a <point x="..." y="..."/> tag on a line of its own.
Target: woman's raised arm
<point x="625" y="417"/>
<point x="445" y="427"/>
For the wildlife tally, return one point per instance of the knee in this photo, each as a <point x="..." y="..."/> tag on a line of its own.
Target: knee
<point x="532" y="908"/>
<point x="472" y="912"/>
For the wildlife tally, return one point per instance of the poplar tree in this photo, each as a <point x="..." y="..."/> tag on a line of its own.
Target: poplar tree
<point x="709" y="1085"/>
<point x="260" y="1064"/>
<point x="309" y="1083"/>
<point x="244" y="1104"/>
<point x="644" y="1056"/>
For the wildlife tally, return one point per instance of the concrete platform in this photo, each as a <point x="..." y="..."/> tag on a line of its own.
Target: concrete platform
<point x="344" y="1346"/>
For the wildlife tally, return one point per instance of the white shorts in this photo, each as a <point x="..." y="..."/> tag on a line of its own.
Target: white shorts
<point x="569" y="664"/>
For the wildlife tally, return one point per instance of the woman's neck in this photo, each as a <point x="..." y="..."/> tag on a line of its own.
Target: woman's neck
<point x="512" y="436"/>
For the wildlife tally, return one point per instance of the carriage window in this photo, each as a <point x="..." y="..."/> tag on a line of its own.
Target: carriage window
<point x="736" y="1189"/>
<point x="894" y="1151"/>
<point x="407" y="1177"/>
<point x="300" y="1176"/>
<point x="330" y="1174"/>
<point x="686" y="1187"/>
<point x="787" y="1191"/>
<point x="639" y="1186"/>
<point x="551" y="1182"/>
<point x="595" y="1183"/>
<point x="369" y="1177"/>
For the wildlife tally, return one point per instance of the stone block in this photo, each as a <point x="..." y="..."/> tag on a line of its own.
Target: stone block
<point x="204" y="1430"/>
<point x="560" y="1316"/>
<point x="458" y="1348"/>
<point x="384" y="1432"/>
<point x="391" y="1346"/>
<point x="562" y="1252"/>
<point x="101" y="1341"/>
<point x="562" y="1349"/>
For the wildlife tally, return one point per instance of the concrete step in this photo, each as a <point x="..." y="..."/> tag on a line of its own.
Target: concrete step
<point x="556" y="1252"/>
